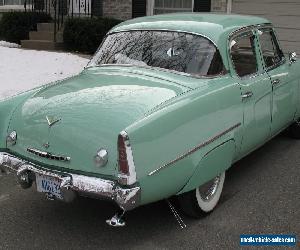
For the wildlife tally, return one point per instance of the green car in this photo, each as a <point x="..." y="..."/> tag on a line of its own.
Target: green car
<point x="167" y="104"/>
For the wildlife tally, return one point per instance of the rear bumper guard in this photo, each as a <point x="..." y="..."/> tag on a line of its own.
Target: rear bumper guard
<point x="70" y="184"/>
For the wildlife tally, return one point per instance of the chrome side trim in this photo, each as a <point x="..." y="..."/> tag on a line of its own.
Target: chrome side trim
<point x="193" y="150"/>
<point x="48" y="155"/>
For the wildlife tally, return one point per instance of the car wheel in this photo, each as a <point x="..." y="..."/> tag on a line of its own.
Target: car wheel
<point x="294" y="130"/>
<point x="202" y="200"/>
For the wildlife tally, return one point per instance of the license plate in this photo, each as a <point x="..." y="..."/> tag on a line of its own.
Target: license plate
<point x="48" y="184"/>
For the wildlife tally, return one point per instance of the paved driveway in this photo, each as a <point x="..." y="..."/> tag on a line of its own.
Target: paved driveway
<point x="261" y="195"/>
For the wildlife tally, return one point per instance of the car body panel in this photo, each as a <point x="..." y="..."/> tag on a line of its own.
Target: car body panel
<point x="257" y="109"/>
<point x="224" y="151"/>
<point x="284" y="80"/>
<point x="257" y="112"/>
<point x="120" y="99"/>
<point x="297" y="114"/>
<point x="284" y="98"/>
<point x="7" y="109"/>
<point x="206" y="113"/>
<point x="183" y="129"/>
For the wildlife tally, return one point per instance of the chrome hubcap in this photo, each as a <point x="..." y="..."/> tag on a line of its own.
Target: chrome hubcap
<point x="209" y="189"/>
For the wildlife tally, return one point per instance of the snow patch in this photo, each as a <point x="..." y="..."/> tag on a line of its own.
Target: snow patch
<point x="9" y="45"/>
<point x="22" y="70"/>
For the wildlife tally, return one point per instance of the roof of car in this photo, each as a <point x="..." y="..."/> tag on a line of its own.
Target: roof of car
<point x="210" y="25"/>
<point x="216" y="27"/>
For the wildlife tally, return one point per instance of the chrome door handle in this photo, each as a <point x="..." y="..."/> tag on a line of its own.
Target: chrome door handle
<point x="247" y="95"/>
<point x="275" y="82"/>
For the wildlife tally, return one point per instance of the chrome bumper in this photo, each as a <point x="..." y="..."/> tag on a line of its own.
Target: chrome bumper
<point x="70" y="184"/>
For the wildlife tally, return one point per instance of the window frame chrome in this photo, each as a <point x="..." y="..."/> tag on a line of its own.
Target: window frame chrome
<point x="240" y="33"/>
<point x="283" y="60"/>
<point x="254" y="29"/>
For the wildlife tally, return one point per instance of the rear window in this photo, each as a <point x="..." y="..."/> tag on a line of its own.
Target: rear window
<point x="182" y="52"/>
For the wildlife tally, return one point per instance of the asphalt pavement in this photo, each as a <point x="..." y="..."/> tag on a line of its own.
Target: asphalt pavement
<point x="261" y="196"/>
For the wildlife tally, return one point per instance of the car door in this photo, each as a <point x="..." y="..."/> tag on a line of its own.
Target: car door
<point x="256" y="90"/>
<point x="284" y="88"/>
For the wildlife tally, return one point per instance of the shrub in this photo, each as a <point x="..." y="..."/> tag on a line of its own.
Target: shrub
<point x="84" y="35"/>
<point x="15" y="26"/>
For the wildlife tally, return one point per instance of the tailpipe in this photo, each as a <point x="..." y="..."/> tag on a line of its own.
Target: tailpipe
<point x="117" y="220"/>
<point x="23" y="177"/>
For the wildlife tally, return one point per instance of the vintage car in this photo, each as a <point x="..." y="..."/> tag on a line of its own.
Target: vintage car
<point x="167" y="104"/>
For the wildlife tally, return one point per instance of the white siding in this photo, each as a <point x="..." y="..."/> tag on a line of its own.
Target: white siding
<point x="284" y="14"/>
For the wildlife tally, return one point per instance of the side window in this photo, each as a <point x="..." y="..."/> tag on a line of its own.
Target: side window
<point x="271" y="52"/>
<point x="243" y="55"/>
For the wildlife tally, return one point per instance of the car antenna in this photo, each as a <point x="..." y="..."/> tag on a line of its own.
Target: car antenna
<point x="176" y="215"/>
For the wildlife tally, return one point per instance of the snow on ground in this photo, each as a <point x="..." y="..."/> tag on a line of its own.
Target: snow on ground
<point x="22" y="70"/>
<point x="9" y="45"/>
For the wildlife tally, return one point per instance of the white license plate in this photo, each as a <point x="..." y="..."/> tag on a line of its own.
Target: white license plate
<point x="48" y="184"/>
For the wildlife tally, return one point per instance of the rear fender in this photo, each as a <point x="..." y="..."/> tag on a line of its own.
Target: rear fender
<point x="216" y="161"/>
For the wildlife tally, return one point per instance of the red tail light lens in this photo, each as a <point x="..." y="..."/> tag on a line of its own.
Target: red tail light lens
<point x="123" y="162"/>
<point x="127" y="173"/>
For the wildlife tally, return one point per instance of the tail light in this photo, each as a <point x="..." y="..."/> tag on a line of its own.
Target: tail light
<point x="127" y="174"/>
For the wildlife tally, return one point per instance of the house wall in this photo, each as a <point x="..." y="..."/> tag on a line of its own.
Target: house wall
<point x="120" y="9"/>
<point x="219" y="5"/>
<point x="285" y="16"/>
<point x="4" y="9"/>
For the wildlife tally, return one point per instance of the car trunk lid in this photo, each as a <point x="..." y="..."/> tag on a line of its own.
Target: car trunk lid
<point x="88" y="112"/>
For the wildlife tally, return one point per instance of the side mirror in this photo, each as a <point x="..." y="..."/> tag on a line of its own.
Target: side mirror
<point x="292" y="57"/>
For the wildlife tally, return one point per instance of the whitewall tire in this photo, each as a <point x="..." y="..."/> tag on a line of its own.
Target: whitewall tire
<point x="203" y="199"/>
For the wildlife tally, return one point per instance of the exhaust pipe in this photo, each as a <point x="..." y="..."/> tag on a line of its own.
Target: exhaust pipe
<point x="23" y="176"/>
<point x="117" y="220"/>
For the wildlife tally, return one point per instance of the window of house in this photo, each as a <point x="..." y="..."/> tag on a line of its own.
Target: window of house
<point x="243" y="55"/>
<point x="12" y="2"/>
<point x="170" y="6"/>
<point x="270" y="49"/>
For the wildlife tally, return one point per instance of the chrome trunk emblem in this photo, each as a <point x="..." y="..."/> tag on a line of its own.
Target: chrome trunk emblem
<point x="51" y="120"/>
<point x="48" y="155"/>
